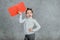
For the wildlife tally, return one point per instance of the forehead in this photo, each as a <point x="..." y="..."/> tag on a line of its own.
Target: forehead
<point x="29" y="11"/>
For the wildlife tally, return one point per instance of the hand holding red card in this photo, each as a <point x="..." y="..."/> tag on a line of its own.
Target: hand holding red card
<point x="13" y="10"/>
<point x="19" y="12"/>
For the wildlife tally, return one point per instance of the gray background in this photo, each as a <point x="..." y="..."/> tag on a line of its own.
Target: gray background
<point x="46" y="12"/>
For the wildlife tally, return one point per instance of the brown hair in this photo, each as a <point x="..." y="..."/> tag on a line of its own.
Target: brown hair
<point x="29" y="9"/>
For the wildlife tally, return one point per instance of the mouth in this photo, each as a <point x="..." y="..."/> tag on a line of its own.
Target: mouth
<point x="29" y="15"/>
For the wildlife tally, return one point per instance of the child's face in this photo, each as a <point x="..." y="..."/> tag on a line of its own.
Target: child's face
<point x="29" y="14"/>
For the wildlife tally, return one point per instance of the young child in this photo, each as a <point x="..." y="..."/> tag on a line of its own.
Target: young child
<point x="29" y="23"/>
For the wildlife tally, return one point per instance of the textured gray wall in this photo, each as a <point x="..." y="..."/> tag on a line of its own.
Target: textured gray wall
<point x="46" y="12"/>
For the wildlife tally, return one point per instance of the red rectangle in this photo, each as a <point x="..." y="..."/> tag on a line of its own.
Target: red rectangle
<point x="13" y="10"/>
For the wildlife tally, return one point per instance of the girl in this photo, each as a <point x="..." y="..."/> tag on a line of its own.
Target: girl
<point x="29" y="23"/>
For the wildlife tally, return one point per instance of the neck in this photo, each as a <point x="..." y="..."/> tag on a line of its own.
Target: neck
<point x="29" y="17"/>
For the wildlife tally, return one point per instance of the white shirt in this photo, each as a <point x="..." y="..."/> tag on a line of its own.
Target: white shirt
<point x="29" y="23"/>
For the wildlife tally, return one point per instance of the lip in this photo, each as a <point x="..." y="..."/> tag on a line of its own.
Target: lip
<point x="29" y="15"/>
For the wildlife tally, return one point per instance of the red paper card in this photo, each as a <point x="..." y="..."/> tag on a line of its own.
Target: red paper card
<point x="21" y="7"/>
<point x="13" y="10"/>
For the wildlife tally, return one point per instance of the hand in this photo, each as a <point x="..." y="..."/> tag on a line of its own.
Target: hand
<point x="30" y="29"/>
<point x="19" y="12"/>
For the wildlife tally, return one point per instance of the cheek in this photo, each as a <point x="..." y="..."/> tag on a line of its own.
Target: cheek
<point x="31" y="14"/>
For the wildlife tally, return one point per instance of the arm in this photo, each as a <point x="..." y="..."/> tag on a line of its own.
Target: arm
<point x="37" y="26"/>
<point x="20" y="18"/>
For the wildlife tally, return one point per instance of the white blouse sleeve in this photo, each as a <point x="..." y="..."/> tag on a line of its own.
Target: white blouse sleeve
<point x="20" y="19"/>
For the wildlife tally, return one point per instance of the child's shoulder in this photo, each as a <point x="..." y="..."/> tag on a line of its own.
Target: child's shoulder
<point x="34" y="19"/>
